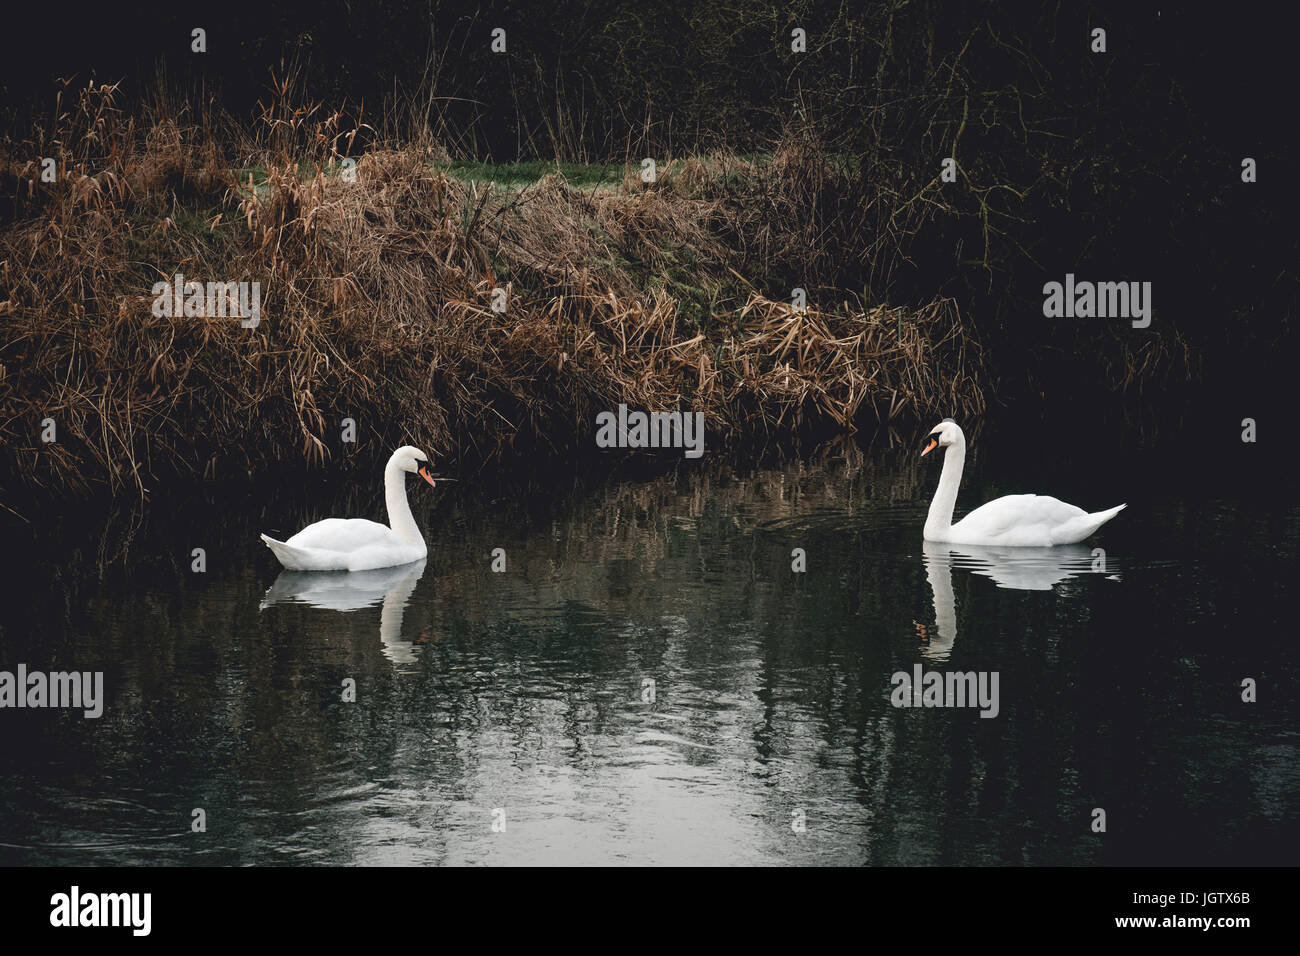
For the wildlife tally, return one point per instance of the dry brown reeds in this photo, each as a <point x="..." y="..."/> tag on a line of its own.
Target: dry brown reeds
<point x="376" y="305"/>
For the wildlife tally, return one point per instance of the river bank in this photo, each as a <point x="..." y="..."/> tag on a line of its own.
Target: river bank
<point x="400" y="299"/>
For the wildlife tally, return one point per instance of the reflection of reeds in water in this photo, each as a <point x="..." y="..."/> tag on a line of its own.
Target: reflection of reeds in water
<point x="376" y="304"/>
<point x="612" y="548"/>
<point x="685" y="580"/>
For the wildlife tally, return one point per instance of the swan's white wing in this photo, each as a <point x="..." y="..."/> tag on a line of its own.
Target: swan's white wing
<point x="342" y="534"/>
<point x="1015" y="520"/>
<point x="345" y="544"/>
<point x="1002" y="514"/>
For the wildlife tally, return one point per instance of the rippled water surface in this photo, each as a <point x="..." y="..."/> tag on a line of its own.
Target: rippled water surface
<point x="648" y="681"/>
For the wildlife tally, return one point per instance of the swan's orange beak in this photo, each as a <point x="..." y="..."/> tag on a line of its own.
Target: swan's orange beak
<point x="424" y="473"/>
<point x="930" y="447"/>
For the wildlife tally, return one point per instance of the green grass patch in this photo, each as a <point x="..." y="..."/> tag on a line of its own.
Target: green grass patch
<point x="578" y="175"/>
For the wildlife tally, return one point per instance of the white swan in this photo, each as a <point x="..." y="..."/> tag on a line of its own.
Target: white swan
<point x="355" y="544"/>
<point x="1022" y="521"/>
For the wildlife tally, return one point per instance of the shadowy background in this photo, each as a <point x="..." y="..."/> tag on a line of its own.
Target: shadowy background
<point x="1117" y="166"/>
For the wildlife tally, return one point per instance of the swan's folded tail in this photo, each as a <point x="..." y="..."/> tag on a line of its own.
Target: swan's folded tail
<point x="1084" y="526"/>
<point x="295" y="559"/>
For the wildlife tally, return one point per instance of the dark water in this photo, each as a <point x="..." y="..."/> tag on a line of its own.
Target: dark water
<point x="1119" y="687"/>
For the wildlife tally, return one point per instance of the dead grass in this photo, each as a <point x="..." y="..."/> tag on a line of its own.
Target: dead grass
<point x="376" y="304"/>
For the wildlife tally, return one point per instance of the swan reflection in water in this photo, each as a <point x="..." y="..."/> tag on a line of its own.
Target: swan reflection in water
<point x="353" y="590"/>
<point x="1022" y="569"/>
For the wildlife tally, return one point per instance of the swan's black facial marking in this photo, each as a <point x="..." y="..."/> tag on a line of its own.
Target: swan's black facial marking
<point x="939" y="433"/>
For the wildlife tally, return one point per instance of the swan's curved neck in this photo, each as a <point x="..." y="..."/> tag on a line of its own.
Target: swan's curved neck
<point x="939" y="521"/>
<point x="400" y="518"/>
